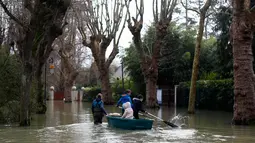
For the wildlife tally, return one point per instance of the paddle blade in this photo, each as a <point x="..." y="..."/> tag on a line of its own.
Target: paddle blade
<point x="170" y="124"/>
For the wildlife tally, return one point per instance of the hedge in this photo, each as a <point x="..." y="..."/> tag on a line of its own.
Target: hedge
<point x="90" y="93"/>
<point x="211" y="94"/>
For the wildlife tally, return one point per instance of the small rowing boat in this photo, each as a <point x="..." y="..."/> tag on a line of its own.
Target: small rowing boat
<point x="129" y="124"/>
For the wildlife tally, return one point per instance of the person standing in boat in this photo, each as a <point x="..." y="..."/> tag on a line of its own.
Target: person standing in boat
<point x="124" y="98"/>
<point x="128" y="113"/>
<point x="98" y="110"/>
<point x="138" y="106"/>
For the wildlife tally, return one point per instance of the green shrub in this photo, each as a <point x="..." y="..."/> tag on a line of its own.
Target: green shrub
<point x="211" y="94"/>
<point x="209" y="76"/>
<point x="117" y="88"/>
<point x="10" y="83"/>
<point x="90" y="93"/>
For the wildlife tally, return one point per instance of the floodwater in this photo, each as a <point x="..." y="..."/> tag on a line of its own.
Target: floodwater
<point x="73" y="123"/>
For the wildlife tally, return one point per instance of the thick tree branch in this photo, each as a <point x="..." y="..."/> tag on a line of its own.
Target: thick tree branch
<point x="11" y="15"/>
<point x="112" y="56"/>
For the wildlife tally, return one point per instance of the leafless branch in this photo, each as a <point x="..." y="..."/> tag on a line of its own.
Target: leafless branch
<point x="164" y="11"/>
<point x="189" y="8"/>
<point x="11" y="15"/>
<point x="155" y="10"/>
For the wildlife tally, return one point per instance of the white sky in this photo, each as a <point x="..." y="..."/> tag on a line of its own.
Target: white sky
<point x="126" y="37"/>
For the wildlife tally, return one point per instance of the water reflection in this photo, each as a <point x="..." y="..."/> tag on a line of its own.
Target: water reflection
<point x="72" y="123"/>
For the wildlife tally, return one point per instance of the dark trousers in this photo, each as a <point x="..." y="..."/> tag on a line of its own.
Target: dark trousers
<point x="98" y="119"/>
<point x="136" y="115"/>
<point x="122" y="111"/>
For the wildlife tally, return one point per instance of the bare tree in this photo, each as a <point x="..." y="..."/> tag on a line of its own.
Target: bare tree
<point x="104" y="21"/>
<point x="40" y="24"/>
<point x="72" y="56"/>
<point x="162" y="12"/>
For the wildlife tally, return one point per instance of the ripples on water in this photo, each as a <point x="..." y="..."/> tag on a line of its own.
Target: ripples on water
<point x="72" y="123"/>
<point x="88" y="132"/>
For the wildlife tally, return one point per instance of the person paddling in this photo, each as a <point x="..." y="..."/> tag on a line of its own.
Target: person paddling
<point x="138" y="106"/>
<point x="98" y="110"/>
<point x="124" y="98"/>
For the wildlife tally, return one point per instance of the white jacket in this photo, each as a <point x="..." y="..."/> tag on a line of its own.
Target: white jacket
<point x="128" y="113"/>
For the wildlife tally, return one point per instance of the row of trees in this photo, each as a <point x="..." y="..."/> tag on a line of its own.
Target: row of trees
<point x="240" y="38"/>
<point x="43" y="26"/>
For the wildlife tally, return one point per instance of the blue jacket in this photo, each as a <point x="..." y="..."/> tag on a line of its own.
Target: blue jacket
<point x="124" y="99"/>
<point x="97" y="103"/>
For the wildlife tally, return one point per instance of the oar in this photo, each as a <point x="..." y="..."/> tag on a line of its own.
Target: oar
<point x="166" y="122"/>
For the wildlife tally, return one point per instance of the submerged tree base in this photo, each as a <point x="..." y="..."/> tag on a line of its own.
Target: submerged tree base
<point x="41" y="109"/>
<point x="25" y="122"/>
<point x="243" y="122"/>
<point x="191" y="112"/>
<point x="154" y="106"/>
<point x="68" y="101"/>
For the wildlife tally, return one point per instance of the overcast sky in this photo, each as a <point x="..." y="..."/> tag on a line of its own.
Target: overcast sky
<point x="126" y="37"/>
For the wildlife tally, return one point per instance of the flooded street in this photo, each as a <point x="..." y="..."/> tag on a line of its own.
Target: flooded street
<point x="73" y="123"/>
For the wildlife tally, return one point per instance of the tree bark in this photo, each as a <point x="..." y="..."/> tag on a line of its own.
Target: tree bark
<point x="25" y="96"/>
<point x="41" y="105"/>
<point x="68" y="92"/>
<point x="151" y="86"/>
<point x="242" y="34"/>
<point x="98" y="47"/>
<point x="69" y="82"/>
<point x="195" y="68"/>
<point x="27" y="76"/>
<point x="106" y="87"/>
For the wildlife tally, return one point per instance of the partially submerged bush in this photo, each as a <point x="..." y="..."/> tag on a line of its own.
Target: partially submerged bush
<point x="90" y="93"/>
<point x="211" y="94"/>
<point x="10" y="87"/>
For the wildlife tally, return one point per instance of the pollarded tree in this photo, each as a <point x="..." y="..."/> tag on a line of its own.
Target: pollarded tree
<point x="162" y="12"/>
<point x="40" y="22"/>
<point x="72" y="56"/>
<point x="104" y="22"/>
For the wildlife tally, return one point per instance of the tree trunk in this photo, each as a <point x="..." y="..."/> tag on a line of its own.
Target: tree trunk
<point x="25" y="96"/>
<point x="106" y="87"/>
<point x="61" y="86"/>
<point x="27" y="76"/>
<point x="151" y="92"/>
<point x="242" y="34"/>
<point x="41" y="105"/>
<point x="195" y="68"/>
<point x="68" y="92"/>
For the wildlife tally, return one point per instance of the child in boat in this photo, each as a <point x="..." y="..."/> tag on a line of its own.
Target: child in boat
<point x="128" y="113"/>
<point x="124" y="98"/>
<point x="138" y="106"/>
<point x="98" y="110"/>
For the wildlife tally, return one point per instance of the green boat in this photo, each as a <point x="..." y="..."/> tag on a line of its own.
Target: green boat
<point x="129" y="124"/>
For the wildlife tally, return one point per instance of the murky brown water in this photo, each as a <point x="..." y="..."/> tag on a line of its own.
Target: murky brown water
<point x="72" y="123"/>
